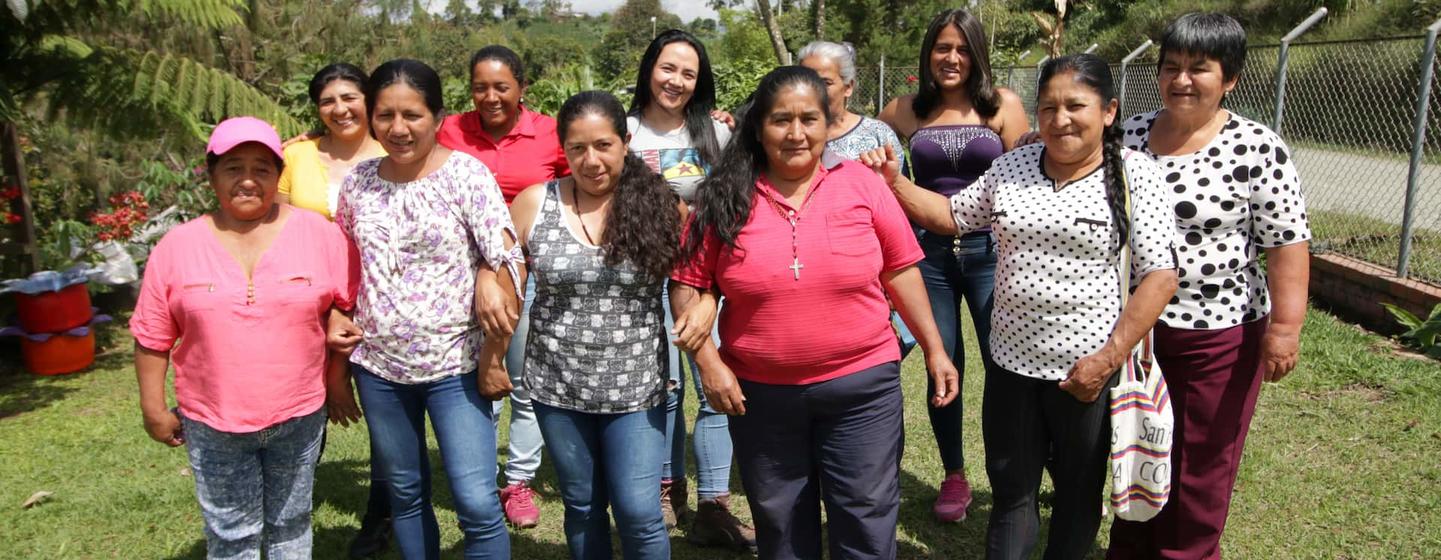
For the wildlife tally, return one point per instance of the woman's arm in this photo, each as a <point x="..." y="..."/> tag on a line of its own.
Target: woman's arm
<point x="1013" y="123"/>
<point x="928" y="209"/>
<point x="162" y="424"/>
<point x="908" y="294"/>
<point x="339" y="393"/>
<point x="1288" y="272"/>
<point x="493" y="378"/>
<point x="722" y="390"/>
<point x="1090" y="373"/>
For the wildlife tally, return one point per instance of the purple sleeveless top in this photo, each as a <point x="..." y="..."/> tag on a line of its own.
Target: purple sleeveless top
<point x="948" y="158"/>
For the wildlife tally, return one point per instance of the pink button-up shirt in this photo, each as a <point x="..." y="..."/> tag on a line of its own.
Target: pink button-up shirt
<point x="242" y="364"/>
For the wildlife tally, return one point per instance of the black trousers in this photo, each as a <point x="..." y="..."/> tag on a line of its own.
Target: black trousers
<point x="838" y="442"/>
<point x="1027" y="423"/>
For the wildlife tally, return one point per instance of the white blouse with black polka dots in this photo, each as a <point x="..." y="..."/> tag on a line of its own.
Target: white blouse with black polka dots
<point x="1057" y="294"/>
<point x="1238" y="194"/>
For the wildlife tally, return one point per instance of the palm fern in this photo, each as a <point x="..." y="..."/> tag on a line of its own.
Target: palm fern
<point x="54" y="53"/>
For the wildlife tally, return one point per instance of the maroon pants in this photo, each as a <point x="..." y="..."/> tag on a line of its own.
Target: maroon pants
<point x="1214" y="377"/>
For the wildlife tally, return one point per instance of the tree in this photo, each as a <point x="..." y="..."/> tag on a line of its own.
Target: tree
<point x="630" y="33"/>
<point x="818" y="12"/>
<point x="1053" y="25"/>
<point x="778" y="43"/>
<point x="63" y="56"/>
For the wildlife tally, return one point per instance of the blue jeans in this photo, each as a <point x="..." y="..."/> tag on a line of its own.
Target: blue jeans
<point x="712" y="434"/>
<point x="609" y="460"/>
<point x="255" y="487"/>
<point x="957" y="268"/>
<point x="465" y="430"/>
<point x="524" y="448"/>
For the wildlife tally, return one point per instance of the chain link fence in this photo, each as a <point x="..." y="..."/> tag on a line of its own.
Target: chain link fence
<point x="1348" y="114"/>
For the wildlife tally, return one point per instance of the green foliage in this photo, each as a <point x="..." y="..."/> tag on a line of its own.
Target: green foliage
<point x="736" y="79"/>
<point x="1423" y="334"/>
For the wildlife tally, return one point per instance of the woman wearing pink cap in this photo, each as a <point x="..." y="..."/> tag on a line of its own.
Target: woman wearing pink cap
<point x="243" y="319"/>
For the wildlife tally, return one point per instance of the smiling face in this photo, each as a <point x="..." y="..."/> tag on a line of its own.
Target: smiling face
<point x="496" y="94"/>
<point x="595" y="153"/>
<point x="793" y="132"/>
<point x="341" y="107"/>
<point x="404" y="124"/>
<point x="837" y="89"/>
<point x="1072" y="118"/>
<point x="1192" y="83"/>
<point x="950" y="59"/>
<point x="245" y="180"/>
<point x="673" y="79"/>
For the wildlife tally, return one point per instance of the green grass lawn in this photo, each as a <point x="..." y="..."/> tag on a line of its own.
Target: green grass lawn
<point x="1377" y="241"/>
<point x="1343" y="461"/>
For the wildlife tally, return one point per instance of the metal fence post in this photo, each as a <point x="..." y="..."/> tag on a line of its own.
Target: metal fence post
<point x="1281" y="64"/>
<point x="1418" y="145"/>
<point x="1121" y="112"/>
<point x="881" y="85"/>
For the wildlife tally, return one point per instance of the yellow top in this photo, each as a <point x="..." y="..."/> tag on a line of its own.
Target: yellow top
<point x="308" y="181"/>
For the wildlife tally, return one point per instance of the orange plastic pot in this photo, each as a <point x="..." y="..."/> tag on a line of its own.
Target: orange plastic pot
<point x="59" y="354"/>
<point x="54" y="312"/>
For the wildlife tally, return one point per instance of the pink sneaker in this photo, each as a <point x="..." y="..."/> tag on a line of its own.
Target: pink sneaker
<point x="954" y="499"/>
<point x="518" y="501"/>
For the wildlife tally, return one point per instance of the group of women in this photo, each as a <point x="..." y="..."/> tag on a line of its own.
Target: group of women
<point x="561" y="262"/>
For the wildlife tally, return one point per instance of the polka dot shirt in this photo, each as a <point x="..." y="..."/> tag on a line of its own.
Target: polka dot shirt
<point x="1057" y="293"/>
<point x="1238" y="194"/>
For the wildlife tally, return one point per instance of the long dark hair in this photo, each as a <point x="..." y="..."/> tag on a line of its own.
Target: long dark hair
<point x="333" y="72"/>
<point x="982" y="91"/>
<point x="725" y="198"/>
<point x="697" y="112"/>
<point x="413" y="73"/>
<point x="1093" y="71"/>
<point x="643" y="225"/>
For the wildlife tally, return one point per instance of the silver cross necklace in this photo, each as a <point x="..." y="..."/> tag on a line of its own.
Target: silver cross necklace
<point x="794" y="218"/>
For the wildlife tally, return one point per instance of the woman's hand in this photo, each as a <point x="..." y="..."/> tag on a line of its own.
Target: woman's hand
<point x="165" y="428"/>
<point x="721" y="389"/>
<point x="884" y="162"/>
<point x="1089" y="375"/>
<point x="494" y="305"/>
<point x="1030" y="137"/>
<point x="339" y="393"/>
<point x="492" y="376"/>
<point x="693" y="327"/>
<point x="1279" y="350"/>
<point x="945" y="377"/>
<point x="307" y="135"/>
<point x="724" y="118"/>
<point x="341" y="334"/>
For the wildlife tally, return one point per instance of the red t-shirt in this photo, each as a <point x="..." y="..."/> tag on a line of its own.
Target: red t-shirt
<point x="832" y="321"/>
<point x="531" y="150"/>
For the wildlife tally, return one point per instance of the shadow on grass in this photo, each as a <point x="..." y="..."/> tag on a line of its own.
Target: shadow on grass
<point x="21" y="392"/>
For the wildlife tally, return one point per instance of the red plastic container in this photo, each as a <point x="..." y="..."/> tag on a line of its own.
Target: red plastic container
<point x="60" y="354"/>
<point x="53" y="312"/>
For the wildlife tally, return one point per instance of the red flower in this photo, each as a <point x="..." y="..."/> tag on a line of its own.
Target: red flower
<point x="11" y="193"/>
<point x="912" y="79"/>
<point x="11" y="218"/>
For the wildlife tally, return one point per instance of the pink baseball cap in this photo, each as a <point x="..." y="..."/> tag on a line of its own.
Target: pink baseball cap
<point x="239" y="130"/>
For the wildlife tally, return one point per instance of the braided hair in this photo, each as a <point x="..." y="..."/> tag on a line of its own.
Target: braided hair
<point x="1093" y="72"/>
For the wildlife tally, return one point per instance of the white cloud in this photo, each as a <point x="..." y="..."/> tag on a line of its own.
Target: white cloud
<point x="687" y="10"/>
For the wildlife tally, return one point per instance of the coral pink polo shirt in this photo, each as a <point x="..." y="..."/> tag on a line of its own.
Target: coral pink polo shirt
<point x="530" y="154"/>
<point x="243" y="364"/>
<point x="834" y="320"/>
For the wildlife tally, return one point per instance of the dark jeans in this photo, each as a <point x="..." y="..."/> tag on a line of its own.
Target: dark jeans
<point x="395" y="414"/>
<point x="1025" y="421"/>
<point x="956" y="269"/>
<point x="1214" y="378"/>
<point x="837" y="441"/>
<point x="609" y="462"/>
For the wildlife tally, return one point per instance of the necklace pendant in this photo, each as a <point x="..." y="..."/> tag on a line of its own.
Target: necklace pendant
<point x="796" y="267"/>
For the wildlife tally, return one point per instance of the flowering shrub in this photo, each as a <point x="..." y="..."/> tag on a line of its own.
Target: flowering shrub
<point x="130" y="210"/>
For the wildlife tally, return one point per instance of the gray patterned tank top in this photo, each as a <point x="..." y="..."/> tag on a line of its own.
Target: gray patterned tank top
<point x="597" y="338"/>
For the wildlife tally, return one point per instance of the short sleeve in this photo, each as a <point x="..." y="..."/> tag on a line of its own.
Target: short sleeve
<point x="699" y="270"/>
<point x="344" y="266"/>
<point x="151" y="323"/>
<point x="971" y="208"/>
<point x="344" y="214"/>
<point x="1153" y="219"/>
<point x="488" y="219"/>
<point x="287" y="178"/>
<point x="722" y="134"/>
<point x="1278" y="209"/>
<point x="899" y="248"/>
